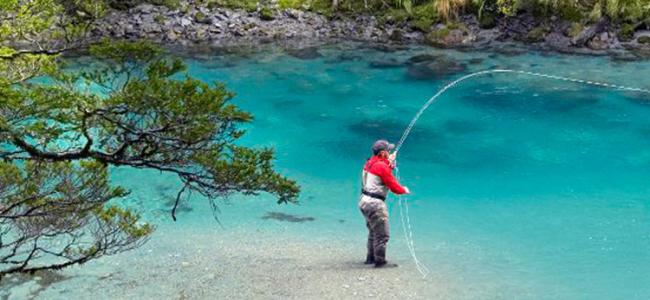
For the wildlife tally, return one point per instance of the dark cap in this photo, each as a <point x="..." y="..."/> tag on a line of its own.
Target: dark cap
<point x="382" y="145"/>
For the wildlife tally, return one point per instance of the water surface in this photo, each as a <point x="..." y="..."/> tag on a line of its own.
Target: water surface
<point x="522" y="187"/>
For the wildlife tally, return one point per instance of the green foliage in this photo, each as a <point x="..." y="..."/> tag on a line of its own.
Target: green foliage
<point x="626" y="32"/>
<point x="508" y="7"/>
<point x="575" y="29"/>
<point x="294" y="4"/>
<point x="132" y="106"/>
<point x="423" y="25"/>
<point x="248" y="5"/>
<point x="266" y="14"/>
<point x="571" y="12"/>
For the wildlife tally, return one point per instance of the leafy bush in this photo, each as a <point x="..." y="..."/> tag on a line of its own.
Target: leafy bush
<point x="423" y="25"/>
<point x="266" y="14"/>
<point x="626" y="32"/>
<point x="295" y="4"/>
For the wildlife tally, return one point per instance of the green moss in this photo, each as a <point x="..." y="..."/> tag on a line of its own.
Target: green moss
<point x="626" y="32"/>
<point x="248" y="5"/>
<point x="537" y="34"/>
<point x="266" y="14"/>
<point x="425" y="12"/>
<point x="423" y="25"/>
<point x="643" y="40"/>
<point x="295" y="4"/>
<point x="160" y="19"/>
<point x="422" y="17"/>
<point x="575" y="29"/>
<point x="200" y="17"/>
<point x="438" y="34"/>
<point x="394" y="15"/>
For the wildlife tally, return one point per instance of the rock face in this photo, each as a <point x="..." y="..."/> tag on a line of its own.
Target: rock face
<point x="589" y="33"/>
<point x="202" y="24"/>
<point x="208" y="25"/>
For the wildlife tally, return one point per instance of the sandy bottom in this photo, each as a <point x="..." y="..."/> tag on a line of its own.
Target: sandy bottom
<point x="232" y="265"/>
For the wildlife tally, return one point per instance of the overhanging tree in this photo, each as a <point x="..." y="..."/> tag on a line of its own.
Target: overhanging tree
<point x="62" y="130"/>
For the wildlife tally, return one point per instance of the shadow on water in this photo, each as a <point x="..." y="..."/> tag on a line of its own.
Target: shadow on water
<point x="278" y="216"/>
<point x="43" y="280"/>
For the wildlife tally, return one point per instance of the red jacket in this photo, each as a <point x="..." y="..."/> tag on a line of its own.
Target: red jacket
<point x="381" y="168"/>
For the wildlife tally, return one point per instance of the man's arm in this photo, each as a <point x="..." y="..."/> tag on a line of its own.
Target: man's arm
<point x="386" y="175"/>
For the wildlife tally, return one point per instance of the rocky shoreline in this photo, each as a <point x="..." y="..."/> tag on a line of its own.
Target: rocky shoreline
<point x="226" y="27"/>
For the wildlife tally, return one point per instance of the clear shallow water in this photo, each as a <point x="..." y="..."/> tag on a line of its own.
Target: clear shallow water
<point x="522" y="187"/>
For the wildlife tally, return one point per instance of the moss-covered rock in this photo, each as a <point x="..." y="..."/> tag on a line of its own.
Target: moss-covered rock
<point x="266" y="14"/>
<point x="536" y="35"/>
<point x="449" y="37"/>
<point x="487" y="21"/>
<point x="423" y="25"/>
<point x="575" y="29"/>
<point x="160" y="19"/>
<point x="437" y="36"/>
<point x="644" y="40"/>
<point x="435" y="69"/>
<point x="200" y="17"/>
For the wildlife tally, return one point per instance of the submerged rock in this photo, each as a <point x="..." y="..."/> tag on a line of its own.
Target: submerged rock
<point x="423" y="58"/>
<point x="386" y="64"/>
<point x="436" y="69"/>
<point x="286" y="217"/>
<point x="305" y="53"/>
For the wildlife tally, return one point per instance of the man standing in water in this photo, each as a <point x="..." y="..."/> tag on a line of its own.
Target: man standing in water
<point x="377" y="179"/>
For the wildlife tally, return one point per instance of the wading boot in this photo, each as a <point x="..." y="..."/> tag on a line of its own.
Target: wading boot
<point x="385" y="264"/>
<point x="370" y="259"/>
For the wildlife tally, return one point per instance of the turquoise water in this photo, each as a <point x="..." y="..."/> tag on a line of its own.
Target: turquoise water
<point x="522" y="187"/>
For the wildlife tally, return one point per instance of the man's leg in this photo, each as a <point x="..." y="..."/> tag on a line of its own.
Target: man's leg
<point x="370" y="257"/>
<point x="381" y="233"/>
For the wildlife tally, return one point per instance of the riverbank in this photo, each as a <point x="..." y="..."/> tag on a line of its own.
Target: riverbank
<point x="218" y="26"/>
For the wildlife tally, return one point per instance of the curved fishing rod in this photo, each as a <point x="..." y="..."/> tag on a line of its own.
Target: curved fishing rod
<point x="405" y="219"/>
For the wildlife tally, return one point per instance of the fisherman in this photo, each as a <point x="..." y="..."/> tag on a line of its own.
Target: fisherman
<point x="377" y="179"/>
